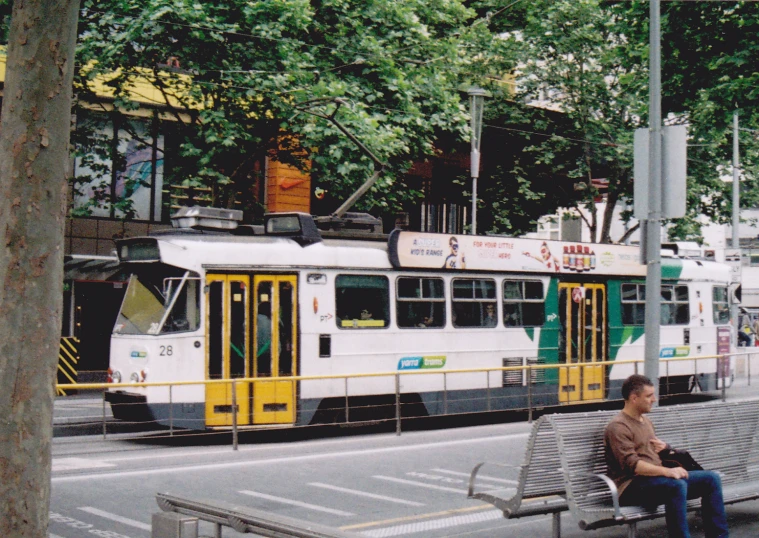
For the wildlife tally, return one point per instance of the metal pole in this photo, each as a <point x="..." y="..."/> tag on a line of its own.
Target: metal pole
<point x="445" y="394"/>
<point x="104" y="416"/>
<point x="234" y="415"/>
<point x="347" y="409"/>
<point x="748" y="366"/>
<point x="397" y="404"/>
<point x="653" y="225"/>
<point x="171" y="414"/>
<point x="736" y="184"/>
<point x="722" y="358"/>
<point x="476" y="105"/>
<point x="529" y="394"/>
<point x="487" y="376"/>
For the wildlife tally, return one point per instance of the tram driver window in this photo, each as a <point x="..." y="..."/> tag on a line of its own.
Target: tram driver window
<point x="185" y="312"/>
<point x="474" y="303"/>
<point x="362" y="301"/>
<point x="523" y="303"/>
<point x="420" y="302"/>
<point x="720" y="306"/>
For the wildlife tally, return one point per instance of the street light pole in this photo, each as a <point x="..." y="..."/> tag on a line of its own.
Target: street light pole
<point x="736" y="185"/>
<point x="653" y="224"/>
<point x="476" y="106"/>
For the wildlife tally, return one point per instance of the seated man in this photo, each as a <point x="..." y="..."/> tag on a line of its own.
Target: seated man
<point x="633" y="463"/>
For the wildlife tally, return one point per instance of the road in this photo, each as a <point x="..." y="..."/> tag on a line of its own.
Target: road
<point x="373" y="484"/>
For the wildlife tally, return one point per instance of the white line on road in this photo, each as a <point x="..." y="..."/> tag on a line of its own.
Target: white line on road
<point x="296" y="503"/>
<point x="479" y="476"/>
<point x="271" y="461"/>
<point x="365" y="494"/>
<point x="114" y="517"/>
<point x="51" y="535"/>
<point x="419" y="484"/>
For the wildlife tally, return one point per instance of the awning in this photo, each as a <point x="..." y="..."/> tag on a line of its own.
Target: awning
<point x="100" y="269"/>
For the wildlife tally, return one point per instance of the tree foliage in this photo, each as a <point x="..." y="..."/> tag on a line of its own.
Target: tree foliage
<point x="245" y="67"/>
<point x="589" y="59"/>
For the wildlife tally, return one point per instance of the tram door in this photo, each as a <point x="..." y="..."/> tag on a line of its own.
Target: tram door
<point x="274" y="348"/>
<point x="228" y="344"/>
<point x="582" y="344"/>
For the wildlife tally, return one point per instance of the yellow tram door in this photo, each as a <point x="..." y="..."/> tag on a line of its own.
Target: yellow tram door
<point x="274" y="348"/>
<point x="227" y="349"/>
<point x="582" y="313"/>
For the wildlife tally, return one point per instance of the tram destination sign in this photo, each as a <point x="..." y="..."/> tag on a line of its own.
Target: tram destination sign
<point x="416" y="250"/>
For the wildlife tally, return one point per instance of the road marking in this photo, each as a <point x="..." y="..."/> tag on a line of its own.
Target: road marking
<point x="416" y="517"/>
<point x="273" y="461"/>
<point x="51" y="535"/>
<point x="312" y="444"/>
<point x="419" y="484"/>
<point x="76" y="464"/>
<point x="479" y="476"/>
<point x="365" y="494"/>
<point x="296" y="503"/>
<point x="114" y="517"/>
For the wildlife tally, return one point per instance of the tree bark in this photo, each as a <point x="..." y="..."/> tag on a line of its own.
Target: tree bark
<point x="34" y="155"/>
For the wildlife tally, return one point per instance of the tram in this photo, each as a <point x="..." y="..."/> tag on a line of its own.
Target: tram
<point x="211" y="300"/>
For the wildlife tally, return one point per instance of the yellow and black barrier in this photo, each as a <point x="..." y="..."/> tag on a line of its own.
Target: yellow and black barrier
<point x="68" y="360"/>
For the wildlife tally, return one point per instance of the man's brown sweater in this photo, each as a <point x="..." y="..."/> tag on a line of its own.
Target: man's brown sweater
<point x="627" y="441"/>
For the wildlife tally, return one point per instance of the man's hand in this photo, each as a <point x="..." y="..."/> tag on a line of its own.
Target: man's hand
<point x="675" y="472"/>
<point x="658" y="444"/>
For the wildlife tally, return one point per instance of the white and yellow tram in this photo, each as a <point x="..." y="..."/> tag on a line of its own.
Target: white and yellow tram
<point x="282" y="301"/>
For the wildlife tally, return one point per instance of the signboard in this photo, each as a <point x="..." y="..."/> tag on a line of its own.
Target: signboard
<point x="477" y="253"/>
<point x="733" y="259"/>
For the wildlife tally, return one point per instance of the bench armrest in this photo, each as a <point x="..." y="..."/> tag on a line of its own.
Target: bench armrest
<point x="476" y="469"/>
<point x="609" y="483"/>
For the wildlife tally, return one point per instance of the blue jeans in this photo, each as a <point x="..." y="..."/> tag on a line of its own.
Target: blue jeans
<point x="651" y="491"/>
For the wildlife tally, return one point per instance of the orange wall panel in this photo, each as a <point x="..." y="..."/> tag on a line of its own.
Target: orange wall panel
<point x="287" y="188"/>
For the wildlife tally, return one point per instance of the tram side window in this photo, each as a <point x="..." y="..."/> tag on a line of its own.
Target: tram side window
<point x="420" y="302"/>
<point x="473" y="303"/>
<point x="675" y="309"/>
<point x="633" y="304"/>
<point x="720" y="305"/>
<point x="523" y="303"/>
<point x="362" y="301"/>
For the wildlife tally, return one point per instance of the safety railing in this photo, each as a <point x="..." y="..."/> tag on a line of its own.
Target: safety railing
<point x="447" y="392"/>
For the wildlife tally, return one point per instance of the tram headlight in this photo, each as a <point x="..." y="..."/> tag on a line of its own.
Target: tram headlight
<point x="143" y="375"/>
<point x="134" y="377"/>
<point x="114" y="376"/>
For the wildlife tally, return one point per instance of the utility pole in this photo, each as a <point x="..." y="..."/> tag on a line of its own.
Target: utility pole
<point x="653" y="224"/>
<point x="476" y="106"/>
<point x="736" y="184"/>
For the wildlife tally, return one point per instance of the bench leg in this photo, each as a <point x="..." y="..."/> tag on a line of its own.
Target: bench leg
<point x="556" y="527"/>
<point x="632" y="529"/>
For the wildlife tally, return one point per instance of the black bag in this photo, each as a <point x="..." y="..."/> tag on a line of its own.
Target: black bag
<point x="675" y="457"/>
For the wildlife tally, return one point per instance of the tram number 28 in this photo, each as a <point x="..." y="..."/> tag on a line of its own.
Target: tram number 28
<point x="166" y="351"/>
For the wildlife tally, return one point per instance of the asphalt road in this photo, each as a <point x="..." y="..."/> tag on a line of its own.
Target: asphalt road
<point x="372" y="484"/>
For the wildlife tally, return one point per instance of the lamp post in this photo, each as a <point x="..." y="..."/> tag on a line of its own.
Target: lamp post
<point x="476" y="105"/>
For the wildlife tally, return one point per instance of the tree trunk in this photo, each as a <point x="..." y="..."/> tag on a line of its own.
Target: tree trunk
<point x="34" y="156"/>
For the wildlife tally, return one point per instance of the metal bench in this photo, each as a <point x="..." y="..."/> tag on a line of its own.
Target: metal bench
<point x="246" y="520"/>
<point x="722" y="437"/>
<point x="539" y="487"/>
